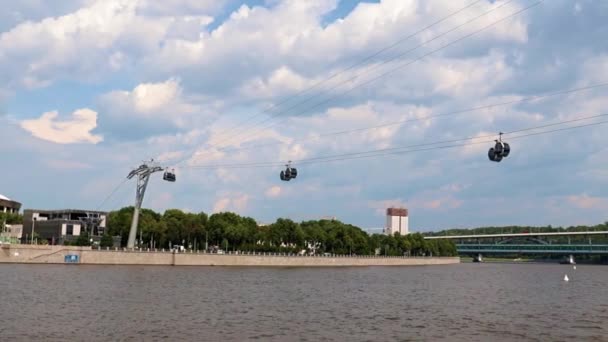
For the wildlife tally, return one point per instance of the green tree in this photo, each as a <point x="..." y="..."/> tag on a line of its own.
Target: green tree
<point x="10" y="218"/>
<point x="83" y="240"/>
<point x="285" y="231"/>
<point x="226" y="226"/>
<point x="106" y="241"/>
<point x="119" y="223"/>
<point x="175" y="220"/>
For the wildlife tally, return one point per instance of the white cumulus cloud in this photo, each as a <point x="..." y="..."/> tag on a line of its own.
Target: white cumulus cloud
<point x="77" y="129"/>
<point x="147" y="98"/>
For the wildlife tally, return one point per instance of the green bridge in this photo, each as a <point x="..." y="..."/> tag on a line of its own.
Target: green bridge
<point x="567" y="243"/>
<point x="532" y="249"/>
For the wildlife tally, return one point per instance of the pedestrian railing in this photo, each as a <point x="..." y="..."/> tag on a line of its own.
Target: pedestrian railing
<point x="255" y="254"/>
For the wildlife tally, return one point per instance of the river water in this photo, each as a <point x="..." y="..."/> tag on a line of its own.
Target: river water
<point x="467" y="302"/>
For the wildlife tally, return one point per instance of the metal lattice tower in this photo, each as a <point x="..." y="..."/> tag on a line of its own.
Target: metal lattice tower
<point x="143" y="173"/>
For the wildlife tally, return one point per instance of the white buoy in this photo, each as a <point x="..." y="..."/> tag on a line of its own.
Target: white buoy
<point x="574" y="267"/>
<point x="566" y="278"/>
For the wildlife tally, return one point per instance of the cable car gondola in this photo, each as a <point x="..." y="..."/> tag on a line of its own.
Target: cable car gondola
<point x="506" y="149"/>
<point x="169" y="176"/>
<point x="289" y="173"/>
<point x="500" y="150"/>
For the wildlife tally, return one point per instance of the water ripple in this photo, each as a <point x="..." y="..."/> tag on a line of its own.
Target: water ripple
<point x="469" y="302"/>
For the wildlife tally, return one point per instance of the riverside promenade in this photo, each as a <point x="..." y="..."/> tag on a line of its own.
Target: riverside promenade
<point x="32" y="254"/>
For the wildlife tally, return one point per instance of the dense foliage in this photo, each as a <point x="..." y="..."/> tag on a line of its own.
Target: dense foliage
<point x="106" y="241"/>
<point x="230" y="231"/>
<point x="10" y="218"/>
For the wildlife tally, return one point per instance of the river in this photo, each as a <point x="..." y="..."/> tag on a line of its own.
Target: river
<point x="467" y="302"/>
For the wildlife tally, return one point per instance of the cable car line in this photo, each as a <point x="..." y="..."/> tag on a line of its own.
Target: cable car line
<point x="392" y="151"/>
<point x="118" y="186"/>
<point x="559" y="130"/>
<point x="399" y="149"/>
<point x="399" y="66"/>
<point x="431" y="143"/>
<point x="352" y="66"/>
<point x="464" y="144"/>
<point x="461" y="111"/>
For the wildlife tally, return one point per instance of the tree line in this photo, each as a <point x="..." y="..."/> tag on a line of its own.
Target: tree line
<point x="232" y="232"/>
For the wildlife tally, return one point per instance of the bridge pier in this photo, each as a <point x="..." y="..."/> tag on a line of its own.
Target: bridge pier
<point x="478" y="258"/>
<point x="569" y="260"/>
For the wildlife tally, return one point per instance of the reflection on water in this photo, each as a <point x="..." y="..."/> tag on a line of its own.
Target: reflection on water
<point x="472" y="302"/>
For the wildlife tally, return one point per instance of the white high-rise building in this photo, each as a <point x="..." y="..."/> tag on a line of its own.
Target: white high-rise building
<point x="397" y="221"/>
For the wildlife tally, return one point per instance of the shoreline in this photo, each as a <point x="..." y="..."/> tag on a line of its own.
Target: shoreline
<point x="32" y="254"/>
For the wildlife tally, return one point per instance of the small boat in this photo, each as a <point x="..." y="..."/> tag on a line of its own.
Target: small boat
<point x="566" y="279"/>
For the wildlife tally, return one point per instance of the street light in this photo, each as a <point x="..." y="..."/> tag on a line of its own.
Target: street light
<point x="33" y="223"/>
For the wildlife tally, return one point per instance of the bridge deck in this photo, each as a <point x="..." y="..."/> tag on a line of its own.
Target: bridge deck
<point x="485" y="236"/>
<point x="532" y="249"/>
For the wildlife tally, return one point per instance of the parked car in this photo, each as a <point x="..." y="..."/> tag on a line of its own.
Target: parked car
<point x="178" y="249"/>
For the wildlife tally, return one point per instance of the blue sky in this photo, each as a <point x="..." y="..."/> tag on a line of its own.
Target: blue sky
<point x="90" y="88"/>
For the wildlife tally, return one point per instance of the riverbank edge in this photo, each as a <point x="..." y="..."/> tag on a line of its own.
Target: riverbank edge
<point x="30" y="254"/>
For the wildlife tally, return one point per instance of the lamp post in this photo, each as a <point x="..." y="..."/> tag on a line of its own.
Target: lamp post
<point x="33" y="223"/>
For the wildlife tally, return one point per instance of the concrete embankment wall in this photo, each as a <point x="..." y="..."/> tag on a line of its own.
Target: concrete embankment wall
<point x="57" y="255"/>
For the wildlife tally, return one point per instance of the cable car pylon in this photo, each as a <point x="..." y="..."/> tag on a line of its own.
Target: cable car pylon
<point x="143" y="173"/>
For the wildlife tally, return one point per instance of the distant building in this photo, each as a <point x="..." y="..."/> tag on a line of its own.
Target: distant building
<point x="328" y="218"/>
<point x="9" y="206"/>
<point x="60" y="225"/>
<point x="11" y="233"/>
<point x="397" y="221"/>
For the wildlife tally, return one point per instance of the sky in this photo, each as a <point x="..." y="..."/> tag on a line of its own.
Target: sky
<point x="89" y="89"/>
